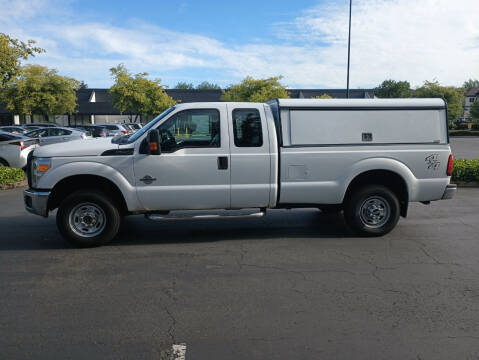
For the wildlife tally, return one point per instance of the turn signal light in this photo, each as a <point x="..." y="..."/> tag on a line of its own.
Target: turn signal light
<point x="43" y="167"/>
<point x="450" y="165"/>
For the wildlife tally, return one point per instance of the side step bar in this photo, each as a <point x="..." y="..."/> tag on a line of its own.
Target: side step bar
<point x="185" y="216"/>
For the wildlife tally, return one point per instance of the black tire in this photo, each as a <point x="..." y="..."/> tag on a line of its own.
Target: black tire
<point x="82" y="205"/>
<point x="331" y="209"/>
<point x="372" y="210"/>
<point x="3" y="162"/>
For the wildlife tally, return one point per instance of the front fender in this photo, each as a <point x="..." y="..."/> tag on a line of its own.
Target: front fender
<point x="60" y="172"/>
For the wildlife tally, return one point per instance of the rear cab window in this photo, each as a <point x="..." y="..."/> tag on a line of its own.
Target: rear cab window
<point x="247" y="129"/>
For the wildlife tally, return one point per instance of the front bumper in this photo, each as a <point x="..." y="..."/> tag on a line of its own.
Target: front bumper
<point x="449" y="192"/>
<point x="36" y="202"/>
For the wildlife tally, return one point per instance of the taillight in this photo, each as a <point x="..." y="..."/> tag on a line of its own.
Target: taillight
<point x="102" y="134"/>
<point x="450" y="165"/>
<point x="124" y="132"/>
<point x="21" y="144"/>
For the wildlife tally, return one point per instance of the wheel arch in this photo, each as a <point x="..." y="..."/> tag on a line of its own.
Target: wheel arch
<point x="95" y="182"/>
<point x="3" y="160"/>
<point x="385" y="177"/>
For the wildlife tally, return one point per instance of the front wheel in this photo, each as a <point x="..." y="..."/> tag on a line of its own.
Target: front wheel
<point x="373" y="210"/>
<point x="88" y="218"/>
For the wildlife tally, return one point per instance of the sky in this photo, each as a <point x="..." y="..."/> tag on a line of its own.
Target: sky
<point x="222" y="42"/>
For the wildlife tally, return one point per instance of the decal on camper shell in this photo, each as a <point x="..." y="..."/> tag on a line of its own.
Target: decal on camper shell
<point x="432" y="162"/>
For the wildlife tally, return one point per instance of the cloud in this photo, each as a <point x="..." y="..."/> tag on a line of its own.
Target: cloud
<point x="410" y="40"/>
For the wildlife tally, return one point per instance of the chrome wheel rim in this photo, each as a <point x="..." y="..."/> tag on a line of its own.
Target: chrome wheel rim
<point x="375" y="212"/>
<point x="87" y="220"/>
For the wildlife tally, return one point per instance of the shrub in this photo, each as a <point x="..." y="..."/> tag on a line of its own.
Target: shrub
<point x="464" y="132"/>
<point x="461" y="126"/>
<point x="466" y="170"/>
<point x="10" y="175"/>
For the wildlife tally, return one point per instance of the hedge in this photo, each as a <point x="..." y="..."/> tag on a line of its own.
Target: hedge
<point x="466" y="170"/>
<point x="10" y="175"/>
<point x="464" y="132"/>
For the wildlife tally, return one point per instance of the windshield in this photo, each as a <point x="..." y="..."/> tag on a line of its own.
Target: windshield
<point x="128" y="139"/>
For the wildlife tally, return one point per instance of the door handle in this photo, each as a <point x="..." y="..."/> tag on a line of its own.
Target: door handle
<point x="222" y="163"/>
<point x="147" y="179"/>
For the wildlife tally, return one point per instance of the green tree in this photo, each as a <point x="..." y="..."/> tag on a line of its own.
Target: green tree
<point x="205" y="85"/>
<point x="475" y="111"/>
<point x="40" y="90"/>
<point x="393" y="89"/>
<point x="470" y="83"/>
<point x="184" y="86"/>
<point x="256" y="90"/>
<point x="453" y="96"/>
<point x="12" y="51"/>
<point x="137" y="95"/>
<point x="324" y="96"/>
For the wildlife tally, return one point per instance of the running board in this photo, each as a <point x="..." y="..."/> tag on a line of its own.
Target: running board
<point x="185" y="216"/>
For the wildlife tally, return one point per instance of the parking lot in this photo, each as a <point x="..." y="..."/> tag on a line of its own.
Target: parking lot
<point x="465" y="147"/>
<point x="295" y="284"/>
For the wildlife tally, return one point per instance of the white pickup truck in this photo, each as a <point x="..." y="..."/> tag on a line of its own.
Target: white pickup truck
<point x="368" y="158"/>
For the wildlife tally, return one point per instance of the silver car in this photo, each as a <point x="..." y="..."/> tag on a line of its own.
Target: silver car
<point x="53" y="135"/>
<point x="14" y="129"/>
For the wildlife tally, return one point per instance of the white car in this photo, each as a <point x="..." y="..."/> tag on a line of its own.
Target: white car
<point x="14" y="149"/>
<point x="116" y="129"/>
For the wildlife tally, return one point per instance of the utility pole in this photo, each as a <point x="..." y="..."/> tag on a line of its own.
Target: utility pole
<point x="349" y="47"/>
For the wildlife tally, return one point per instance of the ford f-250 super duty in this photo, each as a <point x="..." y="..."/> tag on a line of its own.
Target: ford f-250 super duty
<point x="368" y="158"/>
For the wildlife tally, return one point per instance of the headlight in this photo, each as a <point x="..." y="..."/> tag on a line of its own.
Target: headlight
<point x="40" y="167"/>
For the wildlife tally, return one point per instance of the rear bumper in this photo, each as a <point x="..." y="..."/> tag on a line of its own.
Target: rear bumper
<point x="449" y="192"/>
<point x="36" y="202"/>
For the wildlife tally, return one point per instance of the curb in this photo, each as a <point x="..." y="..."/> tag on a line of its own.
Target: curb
<point x="467" y="184"/>
<point x="13" y="185"/>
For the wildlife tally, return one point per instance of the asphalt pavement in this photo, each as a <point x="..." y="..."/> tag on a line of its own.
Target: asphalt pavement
<point x="293" y="285"/>
<point x="465" y="147"/>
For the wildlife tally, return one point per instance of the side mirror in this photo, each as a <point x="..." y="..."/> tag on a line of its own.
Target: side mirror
<point x="154" y="142"/>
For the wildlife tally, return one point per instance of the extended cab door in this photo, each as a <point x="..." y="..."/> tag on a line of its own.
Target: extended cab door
<point x="193" y="170"/>
<point x="250" y="156"/>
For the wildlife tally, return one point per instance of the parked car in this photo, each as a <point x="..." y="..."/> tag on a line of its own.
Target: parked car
<point x="133" y="126"/>
<point x="13" y="129"/>
<point x="14" y="149"/>
<point x="39" y="125"/>
<point x="51" y="135"/>
<point x="365" y="157"/>
<point x="92" y="130"/>
<point x="115" y="129"/>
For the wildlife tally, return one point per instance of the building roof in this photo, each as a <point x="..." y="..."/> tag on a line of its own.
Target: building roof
<point x="99" y="101"/>
<point x="474" y="91"/>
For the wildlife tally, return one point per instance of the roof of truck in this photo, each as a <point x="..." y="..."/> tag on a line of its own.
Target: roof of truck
<point x="362" y="103"/>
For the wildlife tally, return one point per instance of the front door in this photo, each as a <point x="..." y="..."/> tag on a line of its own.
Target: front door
<point x="193" y="170"/>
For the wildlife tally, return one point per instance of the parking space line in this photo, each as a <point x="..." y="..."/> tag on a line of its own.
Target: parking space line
<point x="179" y="351"/>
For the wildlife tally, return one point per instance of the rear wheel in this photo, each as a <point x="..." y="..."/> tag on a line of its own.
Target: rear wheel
<point x="3" y="162"/>
<point x="372" y="210"/>
<point x="88" y="218"/>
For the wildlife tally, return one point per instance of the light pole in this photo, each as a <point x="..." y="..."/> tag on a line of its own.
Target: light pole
<point x="349" y="46"/>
